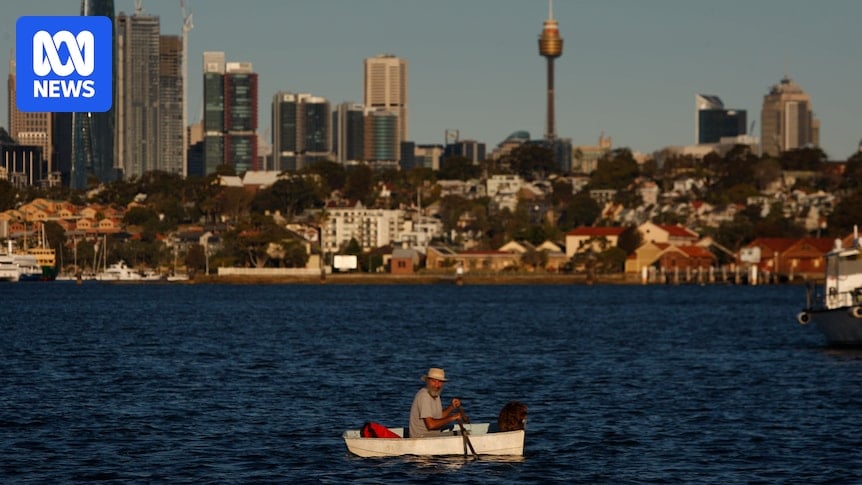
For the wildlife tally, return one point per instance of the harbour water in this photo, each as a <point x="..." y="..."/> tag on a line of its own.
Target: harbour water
<point x="255" y="384"/>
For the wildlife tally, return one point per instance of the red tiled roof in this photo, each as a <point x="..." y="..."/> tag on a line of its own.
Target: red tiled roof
<point x="777" y="244"/>
<point x="678" y="231"/>
<point x="595" y="231"/>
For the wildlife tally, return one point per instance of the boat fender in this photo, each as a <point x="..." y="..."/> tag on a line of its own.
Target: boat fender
<point x="856" y="311"/>
<point x="803" y="318"/>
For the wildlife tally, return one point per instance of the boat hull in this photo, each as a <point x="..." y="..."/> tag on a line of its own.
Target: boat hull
<point x="509" y="443"/>
<point x="839" y="325"/>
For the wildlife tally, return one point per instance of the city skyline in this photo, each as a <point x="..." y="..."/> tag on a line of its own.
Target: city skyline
<point x="630" y="68"/>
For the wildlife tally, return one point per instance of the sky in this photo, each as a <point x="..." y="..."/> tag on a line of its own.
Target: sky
<point x="630" y="68"/>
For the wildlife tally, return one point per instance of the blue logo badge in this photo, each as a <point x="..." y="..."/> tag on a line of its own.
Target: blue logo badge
<point x="64" y="64"/>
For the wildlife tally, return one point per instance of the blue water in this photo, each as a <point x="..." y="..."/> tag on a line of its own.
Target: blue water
<point x="240" y="384"/>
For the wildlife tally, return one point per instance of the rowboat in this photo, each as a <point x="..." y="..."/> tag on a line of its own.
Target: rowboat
<point x="484" y="442"/>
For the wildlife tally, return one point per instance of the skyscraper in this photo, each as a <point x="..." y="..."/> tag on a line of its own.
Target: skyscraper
<point x="301" y="130"/>
<point x="137" y="93"/>
<point x="348" y="123"/>
<point x="380" y="143"/>
<point x="93" y="133"/>
<point x="230" y="114"/>
<point x="171" y="130"/>
<point x="33" y="129"/>
<point x="786" y="119"/>
<point x="385" y="85"/>
<point x="713" y="122"/>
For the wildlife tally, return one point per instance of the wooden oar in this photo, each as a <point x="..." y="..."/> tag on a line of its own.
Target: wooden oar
<point x="464" y="434"/>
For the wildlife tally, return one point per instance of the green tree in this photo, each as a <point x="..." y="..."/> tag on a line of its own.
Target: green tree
<point x="845" y="215"/>
<point x="630" y="239"/>
<point x="581" y="210"/>
<point x="333" y="174"/>
<point x="616" y="170"/>
<point x="532" y="161"/>
<point x="8" y="195"/>
<point x="360" y="184"/>
<point x="458" y="168"/>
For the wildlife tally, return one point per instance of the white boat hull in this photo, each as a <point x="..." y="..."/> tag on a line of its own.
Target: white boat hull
<point x="485" y="443"/>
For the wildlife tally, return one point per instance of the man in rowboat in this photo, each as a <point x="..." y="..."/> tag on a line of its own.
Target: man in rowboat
<point x="427" y="415"/>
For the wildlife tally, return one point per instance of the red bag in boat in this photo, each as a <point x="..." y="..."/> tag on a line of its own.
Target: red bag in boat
<point x="376" y="430"/>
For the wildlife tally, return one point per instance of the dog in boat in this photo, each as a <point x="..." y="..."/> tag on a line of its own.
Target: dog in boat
<point x="513" y="416"/>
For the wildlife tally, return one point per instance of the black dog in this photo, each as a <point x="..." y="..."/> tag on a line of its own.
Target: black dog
<point x="513" y="416"/>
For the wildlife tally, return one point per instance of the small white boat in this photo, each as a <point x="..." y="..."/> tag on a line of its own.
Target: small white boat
<point x="837" y="311"/>
<point x="449" y="443"/>
<point x="122" y="272"/>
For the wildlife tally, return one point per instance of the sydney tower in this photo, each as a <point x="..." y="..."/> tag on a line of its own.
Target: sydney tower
<point x="551" y="47"/>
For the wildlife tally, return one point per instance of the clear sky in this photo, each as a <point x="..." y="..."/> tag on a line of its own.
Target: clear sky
<point x="630" y="68"/>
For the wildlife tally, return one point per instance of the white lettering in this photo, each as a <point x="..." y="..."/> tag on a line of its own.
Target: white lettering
<point x="63" y="88"/>
<point x="46" y="56"/>
<point x="40" y="89"/>
<point x="89" y="89"/>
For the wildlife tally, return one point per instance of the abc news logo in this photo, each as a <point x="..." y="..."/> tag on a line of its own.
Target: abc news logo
<point x="64" y="64"/>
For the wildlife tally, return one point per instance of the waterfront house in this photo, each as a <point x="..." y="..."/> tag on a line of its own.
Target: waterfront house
<point x="667" y="233"/>
<point x="806" y="258"/>
<point x="581" y="238"/>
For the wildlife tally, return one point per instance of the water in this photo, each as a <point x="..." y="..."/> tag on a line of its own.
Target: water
<point x="238" y="384"/>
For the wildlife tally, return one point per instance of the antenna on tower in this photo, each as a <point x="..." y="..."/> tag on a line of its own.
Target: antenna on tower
<point x="551" y="9"/>
<point x="139" y="7"/>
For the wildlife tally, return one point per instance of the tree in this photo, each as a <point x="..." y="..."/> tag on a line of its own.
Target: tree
<point x="846" y="215"/>
<point x="616" y="170"/>
<point x="333" y="174"/>
<point x="581" y="210"/>
<point x="458" y="168"/>
<point x="630" y="239"/>
<point x="8" y="195"/>
<point x="289" y="196"/>
<point x="360" y="184"/>
<point x="532" y="161"/>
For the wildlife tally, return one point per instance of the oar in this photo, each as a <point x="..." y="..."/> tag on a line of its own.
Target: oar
<point x="464" y="434"/>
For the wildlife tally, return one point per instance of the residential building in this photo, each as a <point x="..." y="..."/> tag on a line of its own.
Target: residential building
<point x="787" y="120"/>
<point x="371" y="228"/>
<point x="596" y="238"/>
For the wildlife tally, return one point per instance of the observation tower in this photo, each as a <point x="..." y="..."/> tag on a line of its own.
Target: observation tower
<point x="551" y="47"/>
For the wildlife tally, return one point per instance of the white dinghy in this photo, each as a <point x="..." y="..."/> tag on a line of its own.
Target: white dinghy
<point x="448" y="443"/>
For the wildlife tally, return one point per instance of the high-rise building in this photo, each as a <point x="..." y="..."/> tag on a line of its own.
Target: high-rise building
<point x="149" y="95"/>
<point x="137" y="93"/>
<point x="93" y="151"/>
<point x="32" y="129"/>
<point x="386" y="89"/>
<point x="713" y="122"/>
<point x="787" y="121"/>
<point x="171" y="149"/>
<point x="230" y="114"/>
<point x="348" y="128"/>
<point x="301" y="130"/>
<point x="381" y="143"/>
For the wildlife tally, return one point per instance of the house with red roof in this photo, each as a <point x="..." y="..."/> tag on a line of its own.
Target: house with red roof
<point x="599" y="238"/>
<point x="806" y="257"/>
<point x="667" y="233"/>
